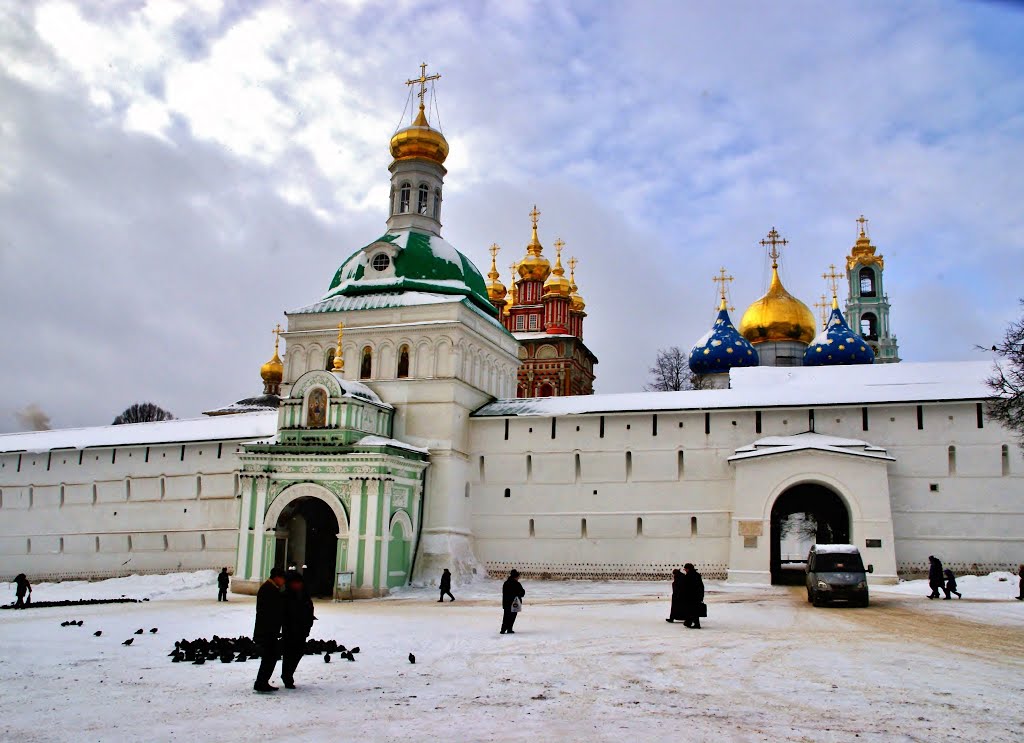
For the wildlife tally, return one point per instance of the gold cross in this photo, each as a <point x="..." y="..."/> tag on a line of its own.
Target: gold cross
<point x="774" y="240"/>
<point x="533" y="215"/>
<point x="821" y="307"/>
<point x="422" y="81"/>
<point x="833" y="278"/>
<point x="277" y="336"/>
<point x="862" y="222"/>
<point x="572" y="263"/>
<point x="722" y="279"/>
<point x="494" y="251"/>
<point x="339" y="359"/>
<point x="559" y="244"/>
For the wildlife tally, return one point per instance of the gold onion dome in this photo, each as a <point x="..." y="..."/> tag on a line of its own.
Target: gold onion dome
<point x="577" y="305"/>
<point x="419" y="141"/>
<point x="778" y="315"/>
<point x="534" y="267"/>
<point x="273" y="370"/>
<point x="496" y="291"/>
<point x="556" y="284"/>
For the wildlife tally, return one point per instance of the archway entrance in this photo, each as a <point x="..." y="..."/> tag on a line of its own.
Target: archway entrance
<point x="803" y="515"/>
<point x="307" y="534"/>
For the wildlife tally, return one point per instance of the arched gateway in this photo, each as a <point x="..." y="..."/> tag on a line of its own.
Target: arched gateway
<point x="803" y="515"/>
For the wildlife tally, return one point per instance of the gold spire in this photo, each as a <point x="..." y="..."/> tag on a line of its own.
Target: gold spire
<point x="534" y="267"/>
<point x="863" y="251"/>
<point x="578" y="305"/>
<point x="556" y="283"/>
<point x="419" y="140"/>
<point x="723" y="280"/>
<point x="778" y="315"/>
<point x="339" y="359"/>
<point x="496" y="291"/>
<point x="513" y="292"/>
<point x="272" y="372"/>
<point x="832" y="277"/>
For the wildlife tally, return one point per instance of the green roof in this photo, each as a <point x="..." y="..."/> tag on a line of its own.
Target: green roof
<point x="424" y="263"/>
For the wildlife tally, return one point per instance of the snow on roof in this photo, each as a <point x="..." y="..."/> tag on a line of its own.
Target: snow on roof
<point x="835" y="549"/>
<point x="775" y="387"/>
<point x="383" y="300"/>
<point x="243" y="427"/>
<point x="381" y="441"/>
<point x="809" y="441"/>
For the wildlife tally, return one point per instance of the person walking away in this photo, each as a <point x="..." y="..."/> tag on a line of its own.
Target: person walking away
<point x="298" y="621"/>
<point x="267" y="632"/>
<point x="22" y="586"/>
<point x="1020" y="585"/>
<point x="512" y="593"/>
<point x="934" y="576"/>
<point x="693" y="596"/>
<point x="950" y="586"/>
<point x="676" y="608"/>
<point x="446" y="586"/>
<point x="222" y="584"/>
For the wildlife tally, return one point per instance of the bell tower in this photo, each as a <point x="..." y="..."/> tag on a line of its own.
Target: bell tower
<point x="867" y="308"/>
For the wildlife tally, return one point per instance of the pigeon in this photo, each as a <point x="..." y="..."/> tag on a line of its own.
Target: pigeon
<point x="138" y="631"/>
<point x="177" y="658"/>
<point x="349" y="656"/>
<point x="97" y="633"/>
<point x="153" y="631"/>
<point x="80" y="622"/>
<point x="354" y="650"/>
<point x="129" y="641"/>
<point x="412" y="658"/>
<point x="199" y="661"/>
<point x="327" y="658"/>
<point x="64" y="624"/>
<point x="241" y="659"/>
<point x="227" y="657"/>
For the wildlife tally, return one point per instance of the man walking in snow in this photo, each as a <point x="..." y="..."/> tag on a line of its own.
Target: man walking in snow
<point x="298" y="621"/>
<point x="446" y="586"/>
<point x="512" y="594"/>
<point x="222" y="585"/>
<point x="1020" y="584"/>
<point x="935" y="577"/>
<point x="267" y="632"/>
<point x="21" y="586"/>
<point x="693" y="596"/>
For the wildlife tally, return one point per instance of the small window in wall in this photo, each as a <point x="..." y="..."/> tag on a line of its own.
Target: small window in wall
<point x="520" y="322"/>
<point x="508" y="493"/>
<point x="533" y="531"/>
<point x="867" y="282"/>
<point x="629" y="466"/>
<point x="366" y="367"/>
<point x="757" y="422"/>
<point x="380" y="262"/>
<point x="680" y="465"/>
<point x="482" y="469"/>
<point x="980" y="412"/>
<point x="639" y="527"/>
<point x="404" y="196"/>
<point x="533" y="322"/>
<point x="654" y="425"/>
<point x="1006" y="460"/>
<point x="952" y="460"/>
<point x="583" y="528"/>
<point x="554" y="421"/>
<point x="601" y="428"/>
<point x="579" y="469"/>
<point x="933" y="487"/>
<point x="693" y="526"/>
<point x="707" y="423"/>
<point x="422" y="199"/>
<point x="329" y="359"/>
<point x="920" y="417"/>
<point x="506" y="428"/>
<point x="869" y="326"/>
<point x="864" y="419"/>
<point x="529" y="467"/>
<point x="403" y="362"/>
<point x="467" y="490"/>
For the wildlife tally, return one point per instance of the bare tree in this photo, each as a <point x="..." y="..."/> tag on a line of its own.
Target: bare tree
<point x="1007" y="380"/>
<point x="671" y="372"/>
<point x="33" y="418"/>
<point x="143" y="412"/>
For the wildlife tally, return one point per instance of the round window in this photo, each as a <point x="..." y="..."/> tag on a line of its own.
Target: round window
<point x="380" y="262"/>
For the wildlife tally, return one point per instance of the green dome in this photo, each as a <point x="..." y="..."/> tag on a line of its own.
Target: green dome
<point x="422" y="263"/>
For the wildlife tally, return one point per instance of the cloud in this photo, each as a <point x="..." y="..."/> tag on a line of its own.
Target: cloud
<point x="174" y="176"/>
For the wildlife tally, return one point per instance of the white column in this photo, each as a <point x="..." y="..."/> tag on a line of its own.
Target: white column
<point x="370" y="537"/>
<point x="245" y="483"/>
<point x="355" y="514"/>
<point x="259" y="533"/>
<point x="385" y="535"/>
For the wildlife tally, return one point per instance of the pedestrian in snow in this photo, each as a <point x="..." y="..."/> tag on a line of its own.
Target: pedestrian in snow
<point x="222" y="584"/>
<point x="22" y="586"/>
<point x="934" y="576"/>
<point x="1020" y="585"/>
<point x="676" y="608"/>
<point x="446" y="586"/>
<point x="692" y="603"/>
<point x="512" y="593"/>
<point x="267" y="632"/>
<point x="950" y="586"/>
<point x="298" y="621"/>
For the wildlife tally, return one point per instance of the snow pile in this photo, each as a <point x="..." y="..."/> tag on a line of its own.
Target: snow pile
<point x="167" y="586"/>
<point x="999" y="585"/>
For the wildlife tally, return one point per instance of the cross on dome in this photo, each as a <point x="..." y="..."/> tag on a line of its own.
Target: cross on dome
<point x="422" y="81"/>
<point x="723" y="280"/>
<point x="534" y="214"/>
<point x="832" y="277"/>
<point x="862" y="221"/>
<point x="821" y="307"/>
<point x="339" y="360"/>
<point x="774" y="240"/>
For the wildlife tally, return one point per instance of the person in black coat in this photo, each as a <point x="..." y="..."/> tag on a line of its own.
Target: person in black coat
<point x="446" y="586"/>
<point x="1020" y="584"/>
<point x="692" y="596"/>
<point x="298" y="621"/>
<point x="950" y="586"/>
<point x="676" y="608"/>
<point x="222" y="585"/>
<point x="267" y="632"/>
<point x="21" y="587"/>
<point x="934" y="576"/>
<point x="510" y="591"/>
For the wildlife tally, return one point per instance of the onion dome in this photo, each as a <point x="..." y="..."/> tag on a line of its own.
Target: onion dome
<point x="578" y="305"/>
<point x="534" y="267"/>
<point x="272" y="372"/>
<point x="557" y="285"/>
<point x="722" y="348"/>
<point x="837" y="344"/>
<point x="419" y="141"/>
<point x="778" y="315"/>
<point x="863" y="252"/>
<point x="496" y="291"/>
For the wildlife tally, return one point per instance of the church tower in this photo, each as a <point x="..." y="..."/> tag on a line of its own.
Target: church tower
<point x="867" y="308"/>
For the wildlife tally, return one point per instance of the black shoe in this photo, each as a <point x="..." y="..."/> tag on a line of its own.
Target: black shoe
<point x="687" y="623"/>
<point x="670" y="620"/>
<point x="503" y="632"/>
<point x="440" y="601"/>
<point x="947" y="598"/>
<point x="264" y="688"/>
<point x="511" y="632"/>
<point x="289" y="684"/>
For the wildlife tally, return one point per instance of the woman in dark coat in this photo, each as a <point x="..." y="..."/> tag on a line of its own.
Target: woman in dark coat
<point x="298" y="621"/>
<point x="21" y="587"/>
<point x="446" y="586"/>
<point x="692" y="596"/>
<point x="510" y="591"/>
<point x="676" y="609"/>
<point x="935" y="578"/>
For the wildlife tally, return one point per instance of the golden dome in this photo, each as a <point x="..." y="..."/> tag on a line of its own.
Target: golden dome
<point x="778" y="316"/>
<point x="273" y="370"/>
<point x="419" y="141"/>
<point x="863" y="252"/>
<point x="578" y="305"/>
<point x="496" y="291"/>
<point x="557" y="285"/>
<point x="534" y="267"/>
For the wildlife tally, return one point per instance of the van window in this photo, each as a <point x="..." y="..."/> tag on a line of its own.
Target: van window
<point x="838" y="562"/>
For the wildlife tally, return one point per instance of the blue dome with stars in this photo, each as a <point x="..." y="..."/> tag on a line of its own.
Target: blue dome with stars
<point x="838" y="345"/>
<point x="722" y="348"/>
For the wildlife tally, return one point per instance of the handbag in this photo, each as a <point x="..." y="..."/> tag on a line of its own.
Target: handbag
<point x="517" y="605"/>
<point x="702" y="610"/>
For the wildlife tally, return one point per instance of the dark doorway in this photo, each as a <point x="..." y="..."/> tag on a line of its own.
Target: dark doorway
<point x="804" y="515"/>
<point x="309" y="530"/>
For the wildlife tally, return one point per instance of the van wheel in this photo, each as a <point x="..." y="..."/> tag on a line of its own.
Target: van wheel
<point x="817" y="600"/>
<point x="810" y="598"/>
<point x="864" y="603"/>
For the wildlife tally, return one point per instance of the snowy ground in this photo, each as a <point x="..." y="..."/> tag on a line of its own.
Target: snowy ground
<point x="589" y="660"/>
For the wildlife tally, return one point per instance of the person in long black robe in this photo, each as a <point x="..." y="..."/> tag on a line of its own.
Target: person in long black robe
<point x="298" y="621"/>
<point x="267" y="631"/>
<point x="693" y="596"/>
<point x="676" y="608"/>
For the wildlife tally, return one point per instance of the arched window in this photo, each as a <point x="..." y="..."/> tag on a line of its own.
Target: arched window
<point x="437" y="203"/>
<point x="867" y="282"/>
<point x="546" y="390"/>
<point x="869" y="326"/>
<point x="422" y="198"/>
<point x="404" y="195"/>
<point x="403" y="362"/>
<point x="366" y="367"/>
<point x="329" y="362"/>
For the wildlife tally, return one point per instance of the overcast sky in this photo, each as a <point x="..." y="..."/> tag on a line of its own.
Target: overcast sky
<point x="173" y="176"/>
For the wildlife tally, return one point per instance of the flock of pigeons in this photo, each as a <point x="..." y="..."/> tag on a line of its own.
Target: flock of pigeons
<point x="240" y="649"/>
<point x="99" y="632"/>
<point x="75" y="602"/>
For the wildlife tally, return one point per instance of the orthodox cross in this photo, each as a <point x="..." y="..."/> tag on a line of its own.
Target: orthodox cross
<point x="534" y="214"/>
<point x="277" y="336"/>
<point x="722" y="279"/>
<point x="774" y="240"/>
<point x="862" y="222"/>
<point x="821" y="307"/>
<point x="832" y="277"/>
<point x="559" y="244"/>
<point x="572" y="266"/>
<point x="494" y="251"/>
<point x="422" y="81"/>
<point x="339" y="360"/>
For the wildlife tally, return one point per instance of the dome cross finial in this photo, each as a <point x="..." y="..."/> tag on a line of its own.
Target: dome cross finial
<point x="339" y="360"/>
<point x="494" y="250"/>
<point x="832" y="277"/>
<point x="822" y="307"/>
<point x="862" y="221"/>
<point x="277" y="337"/>
<point x="723" y="279"/>
<point x="422" y="81"/>
<point x="774" y="241"/>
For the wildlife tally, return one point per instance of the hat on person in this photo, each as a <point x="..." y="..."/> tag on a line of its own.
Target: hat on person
<point x="514" y="573"/>
<point x="277" y="572"/>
